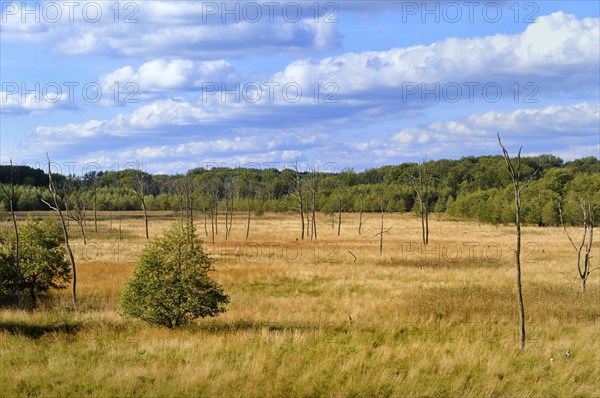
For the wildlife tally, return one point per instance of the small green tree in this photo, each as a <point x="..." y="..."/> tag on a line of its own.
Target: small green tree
<point x="43" y="263"/>
<point x="170" y="285"/>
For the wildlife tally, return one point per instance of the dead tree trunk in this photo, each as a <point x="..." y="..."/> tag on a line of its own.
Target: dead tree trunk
<point x="381" y="234"/>
<point x="382" y="231"/>
<point x="138" y="187"/>
<point x="314" y="211"/>
<point x="204" y="215"/>
<point x="226" y="219"/>
<point x="360" y="216"/>
<point x="95" y="211"/>
<point x="216" y="224"/>
<point x="340" y="209"/>
<point x="145" y="216"/>
<point x="192" y="212"/>
<point x="299" y="194"/>
<point x="57" y="208"/>
<point x="421" y="184"/>
<point x="249" y="215"/>
<point x="78" y="209"/>
<point x="308" y="226"/>
<point x="587" y="213"/>
<point x="515" y="175"/>
<point x="212" y="222"/>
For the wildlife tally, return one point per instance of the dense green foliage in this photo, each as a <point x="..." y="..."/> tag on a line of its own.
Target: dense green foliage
<point x="170" y="285"/>
<point x="42" y="259"/>
<point x="473" y="187"/>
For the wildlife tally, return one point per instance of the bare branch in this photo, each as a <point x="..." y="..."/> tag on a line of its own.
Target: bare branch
<point x="567" y="233"/>
<point x="352" y="255"/>
<point x="530" y="179"/>
<point x="48" y="204"/>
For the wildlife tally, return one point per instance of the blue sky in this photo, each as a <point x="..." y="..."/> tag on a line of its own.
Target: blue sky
<point x="355" y="83"/>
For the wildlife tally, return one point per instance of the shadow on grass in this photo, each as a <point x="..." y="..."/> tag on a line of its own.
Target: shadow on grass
<point x="36" y="331"/>
<point x="252" y="326"/>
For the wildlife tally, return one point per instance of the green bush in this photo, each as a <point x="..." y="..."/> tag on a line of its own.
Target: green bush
<point x="170" y="285"/>
<point x="42" y="259"/>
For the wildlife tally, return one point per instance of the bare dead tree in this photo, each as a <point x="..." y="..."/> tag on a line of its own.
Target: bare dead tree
<point x="213" y="209"/>
<point x="307" y="213"/>
<point x="95" y="208"/>
<point x="340" y="209"/>
<point x="312" y="184"/>
<point x="421" y="184"/>
<point x="313" y="187"/>
<point x="382" y="231"/>
<point x="211" y="189"/>
<point x="91" y="181"/>
<point x="79" y="200"/>
<point x="298" y="192"/>
<point x="216" y="186"/>
<point x="230" y="190"/>
<point x="12" y="198"/>
<point x="57" y="208"/>
<point x="138" y="186"/>
<point x="204" y="216"/>
<point x="515" y="175"/>
<point x="247" y="190"/>
<point x="588" y="221"/>
<point x="110" y="216"/>
<point x="190" y="201"/>
<point x="185" y="190"/>
<point x="360" y="216"/>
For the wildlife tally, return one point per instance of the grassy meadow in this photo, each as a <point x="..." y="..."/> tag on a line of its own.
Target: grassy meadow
<point x="326" y="317"/>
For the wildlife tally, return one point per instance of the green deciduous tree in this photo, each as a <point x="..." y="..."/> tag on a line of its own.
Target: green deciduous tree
<point x="171" y="286"/>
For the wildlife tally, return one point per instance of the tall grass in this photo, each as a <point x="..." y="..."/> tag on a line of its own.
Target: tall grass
<point x="306" y="320"/>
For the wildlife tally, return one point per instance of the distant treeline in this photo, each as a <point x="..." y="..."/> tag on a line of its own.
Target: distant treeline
<point x="472" y="187"/>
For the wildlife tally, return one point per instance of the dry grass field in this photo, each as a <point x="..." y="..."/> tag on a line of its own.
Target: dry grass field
<point x="306" y="319"/>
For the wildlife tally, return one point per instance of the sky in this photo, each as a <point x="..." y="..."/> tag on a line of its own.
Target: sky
<point x="173" y="85"/>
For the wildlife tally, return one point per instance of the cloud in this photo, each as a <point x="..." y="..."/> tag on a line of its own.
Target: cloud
<point x="369" y="93"/>
<point x="569" y="131"/>
<point x="150" y="29"/>
<point x="559" y="46"/>
<point x="161" y="75"/>
<point x="564" y="128"/>
<point x="520" y="68"/>
<point x="371" y="86"/>
<point x="20" y="103"/>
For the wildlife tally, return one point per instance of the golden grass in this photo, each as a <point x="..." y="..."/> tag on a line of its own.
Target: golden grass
<point x="306" y="320"/>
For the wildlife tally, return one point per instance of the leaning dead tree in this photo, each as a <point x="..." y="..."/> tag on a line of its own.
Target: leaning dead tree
<point x="248" y="190"/>
<point x="12" y="199"/>
<point x="587" y="213"/>
<point x="515" y="174"/>
<point x="57" y="208"/>
<point x="421" y="184"/>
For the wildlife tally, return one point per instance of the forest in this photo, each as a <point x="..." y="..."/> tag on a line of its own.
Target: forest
<point x="471" y="188"/>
